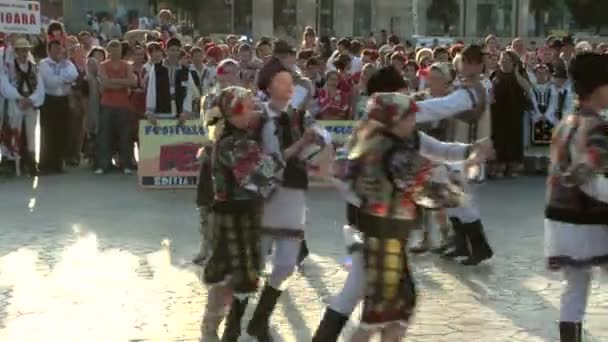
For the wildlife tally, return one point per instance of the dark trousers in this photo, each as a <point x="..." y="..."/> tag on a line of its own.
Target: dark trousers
<point x="113" y="122"/>
<point x="76" y="128"/>
<point x="54" y="118"/>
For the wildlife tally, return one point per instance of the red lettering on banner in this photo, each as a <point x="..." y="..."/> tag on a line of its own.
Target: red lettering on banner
<point x="181" y="157"/>
<point x="18" y="18"/>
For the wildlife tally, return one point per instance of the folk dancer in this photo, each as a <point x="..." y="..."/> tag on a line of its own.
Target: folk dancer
<point x="440" y="83"/>
<point x="291" y="136"/>
<point x="391" y="174"/>
<point x="58" y="74"/>
<point x="576" y="212"/>
<point x="468" y="127"/>
<point x="211" y="116"/>
<point x="23" y="87"/>
<point x="169" y="91"/>
<point x="388" y="79"/>
<point x="471" y="240"/>
<point x="243" y="175"/>
<point x="300" y="101"/>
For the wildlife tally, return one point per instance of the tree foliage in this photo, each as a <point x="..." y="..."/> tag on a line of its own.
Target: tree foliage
<point x="539" y="8"/>
<point x="588" y="13"/>
<point x="444" y="11"/>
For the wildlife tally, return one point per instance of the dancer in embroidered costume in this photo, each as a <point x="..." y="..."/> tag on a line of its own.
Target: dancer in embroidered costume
<point x="576" y="213"/>
<point x="243" y="175"/>
<point x="391" y="176"/>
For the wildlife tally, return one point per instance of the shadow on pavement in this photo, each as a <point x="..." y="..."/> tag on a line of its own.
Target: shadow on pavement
<point x="507" y="298"/>
<point x="294" y="317"/>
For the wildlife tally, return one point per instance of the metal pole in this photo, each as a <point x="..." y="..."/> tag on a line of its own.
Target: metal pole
<point x="464" y="21"/>
<point x="232" y="18"/>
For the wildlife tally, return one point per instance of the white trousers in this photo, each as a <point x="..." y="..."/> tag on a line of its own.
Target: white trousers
<point x="284" y="258"/>
<point x="16" y="119"/>
<point x="353" y="289"/>
<point x="575" y="293"/>
<point x="349" y="297"/>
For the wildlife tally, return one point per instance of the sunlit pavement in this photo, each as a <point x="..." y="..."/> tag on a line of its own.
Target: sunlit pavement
<point x="86" y="258"/>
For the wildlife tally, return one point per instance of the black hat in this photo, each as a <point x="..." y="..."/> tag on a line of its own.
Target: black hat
<point x="568" y="40"/>
<point x="556" y="44"/>
<point x="174" y="42"/>
<point x="589" y="71"/>
<point x="559" y="71"/>
<point x="385" y="80"/>
<point x="473" y="54"/>
<point x="281" y="47"/>
<point x="269" y="71"/>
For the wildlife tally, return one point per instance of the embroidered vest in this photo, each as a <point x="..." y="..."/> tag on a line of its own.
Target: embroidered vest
<point x="543" y="99"/>
<point x="375" y="185"/>
<point x="477" y="94"/>
<point x="542" y="129"/>
<point x="163" y="88"/>
<point x="562" y="95"/>
<point x="567" y="202"/>
<point x="290" y="127"/>
<point x="27" y="81"/>
<point x="198" y="81"/>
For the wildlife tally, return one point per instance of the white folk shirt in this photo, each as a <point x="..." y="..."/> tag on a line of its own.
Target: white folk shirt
<point x="469" y="212"/>
<point x="439" y="108"/>
<point x="8" y="86"/>
<point x="58" y="76"/>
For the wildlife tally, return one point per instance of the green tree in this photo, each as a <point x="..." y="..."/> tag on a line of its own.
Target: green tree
<point x="189" y="7"/>
<point x="588" y="13"/>
<point x="444" y="11"/>
<point x="539" y="8"/>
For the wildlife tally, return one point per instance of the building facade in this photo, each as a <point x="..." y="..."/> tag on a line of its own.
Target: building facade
<point x="75" y="11"/>
<point x="359" y="18"/>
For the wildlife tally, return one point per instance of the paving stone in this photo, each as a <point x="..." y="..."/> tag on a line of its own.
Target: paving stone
<point x="97" y="259"/>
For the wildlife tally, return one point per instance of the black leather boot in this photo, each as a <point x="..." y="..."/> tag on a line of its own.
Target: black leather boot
<point x="480" y="249"/>
<point x="461" y="244"/>
<point x="570" y="331"/>
<point x="330" y="327"/>
<point x="303" y="252"/>
<point x="33" y="165"/>
<point x="232" y="331"/>
<point x="259" y="325"/>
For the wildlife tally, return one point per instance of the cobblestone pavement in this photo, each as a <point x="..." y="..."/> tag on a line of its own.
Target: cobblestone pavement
<point x="86" y="258"/>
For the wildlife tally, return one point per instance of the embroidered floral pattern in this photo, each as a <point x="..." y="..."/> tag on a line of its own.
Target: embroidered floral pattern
<point x="579" y="149"/>
<point x="242" y="170"/>
<point x="231" y="100"/>
<point x="388" y="108"/>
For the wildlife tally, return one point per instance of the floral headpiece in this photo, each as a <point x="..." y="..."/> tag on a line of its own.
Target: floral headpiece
<point x="388" y="108"/>
<point x="231" y="101"/>
<point x="221" y="68"/>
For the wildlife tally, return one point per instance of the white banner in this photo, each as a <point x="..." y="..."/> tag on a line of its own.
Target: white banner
<point x="18" y="16"/>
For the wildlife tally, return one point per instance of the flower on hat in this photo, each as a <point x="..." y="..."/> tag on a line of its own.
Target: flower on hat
<point x="232" y="101"/>
<point x="238" y="108"/>
<point x="388" y="108"/>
